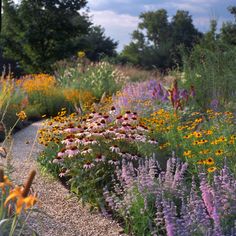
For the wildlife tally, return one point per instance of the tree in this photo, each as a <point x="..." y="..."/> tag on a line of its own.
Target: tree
<point x="156" y="42"/>
<point x="228" y="30"/>
<point x="97" y="45"/>
<point x="38" y="33"/>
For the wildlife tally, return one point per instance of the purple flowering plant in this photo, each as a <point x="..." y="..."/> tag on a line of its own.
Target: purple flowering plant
<point x="172" y="202"/>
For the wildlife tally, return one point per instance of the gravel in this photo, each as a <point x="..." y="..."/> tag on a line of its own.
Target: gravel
<point x="59" y="213"/>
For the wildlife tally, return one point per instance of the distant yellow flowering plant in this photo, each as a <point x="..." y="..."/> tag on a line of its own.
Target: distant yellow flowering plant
<point x="81" y="54"/>
<point x="37" y="82"/>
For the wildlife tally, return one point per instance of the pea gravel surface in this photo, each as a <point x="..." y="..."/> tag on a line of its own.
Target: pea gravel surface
<point x="59" y="214"/>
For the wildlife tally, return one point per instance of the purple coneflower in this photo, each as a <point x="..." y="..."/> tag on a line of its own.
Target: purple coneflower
<point x="88" y="165"/>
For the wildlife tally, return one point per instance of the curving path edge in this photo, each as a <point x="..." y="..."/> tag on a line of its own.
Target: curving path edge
<point x="63" y="216"/>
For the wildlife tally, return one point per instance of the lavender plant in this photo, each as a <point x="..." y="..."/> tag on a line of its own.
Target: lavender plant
<point x="155" y="202"/>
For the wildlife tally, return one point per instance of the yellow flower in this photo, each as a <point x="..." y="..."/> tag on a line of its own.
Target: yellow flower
<point x="187" y="153"/>
<point x="231" y="141"/>
<point x="81" y="54"/>
<point x="38" y="83"/>
<point x="187" y="136"/>
<point x="211" y="169"/>
<point x="209" y="132"/>
<point x="219" y="152"/>
<point x="209" y="161"/>
<point x="197" y="134"/>
<point x="204" y="151"/>
<point x="201" y="162"/>
<point x="21" y="115"/>
<point x="20" y="194"/>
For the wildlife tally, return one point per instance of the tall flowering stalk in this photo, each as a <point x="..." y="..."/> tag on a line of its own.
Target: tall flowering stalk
<point x="173" y="204"/>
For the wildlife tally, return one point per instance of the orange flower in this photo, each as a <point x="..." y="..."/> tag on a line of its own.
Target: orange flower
<point x="4" y="181"/>
<point x="21" y="115"/>
<point x="211" y="169"/>
<point x="20" y="194"/>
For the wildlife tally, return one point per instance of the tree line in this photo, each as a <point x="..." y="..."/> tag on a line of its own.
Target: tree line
<point x="36" y="34"/>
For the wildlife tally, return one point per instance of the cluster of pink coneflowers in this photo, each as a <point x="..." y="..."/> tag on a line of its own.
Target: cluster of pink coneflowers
<point x="98" y="138"/>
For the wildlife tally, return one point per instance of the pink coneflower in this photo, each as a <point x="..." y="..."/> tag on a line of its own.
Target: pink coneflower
<point x="86" y="151"/>
<point x="119" y="119"/>
<point x="106" y="117"/>
<point x="81" y="133"/>
<point x="114" y="162"/>
<point x="72" y="151"/>
<point x="100" y="158"/>
<point x="68" y="141"/>
<point x="128" y="114"/>
<point x="64" y="172"/>
<point x="58" y="160"/>
<point x="140" y="138"/>
<point x="115" y="148"/>
<point x="152" y="141"/>
<point x="62" y="153"/>
<point x="112" y="111"/>
<point x="71" y="130"/>
<point x="88" y="165"/>
<point x="119" y="136"/>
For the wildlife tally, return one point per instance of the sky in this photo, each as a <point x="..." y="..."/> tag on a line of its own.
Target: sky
<point x="120" y="17"/>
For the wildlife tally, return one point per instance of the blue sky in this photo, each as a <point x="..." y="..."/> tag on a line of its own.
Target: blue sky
<point x="120" y="17"/>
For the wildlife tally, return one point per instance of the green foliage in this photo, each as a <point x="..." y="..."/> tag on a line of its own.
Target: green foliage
<point x="100" y="79"/>
<point x="49" y="103"/>
<point x="98" y="45"/>
<point x="228" y="30"/>
<point x="156" y="42"/>
<point x="211" y="70"/>
<point x="138" y="220"/>
<point x="39" y="33"/>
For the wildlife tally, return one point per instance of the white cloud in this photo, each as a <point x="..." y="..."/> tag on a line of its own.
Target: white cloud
<point x="190" y="7"/>
<point x="96" y="3"/>
<point x="117" y="26"/>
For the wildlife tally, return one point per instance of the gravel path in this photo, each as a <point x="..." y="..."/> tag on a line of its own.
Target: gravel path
<point x="64" y="216"/>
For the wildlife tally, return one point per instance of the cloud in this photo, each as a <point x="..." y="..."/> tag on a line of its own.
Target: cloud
<point x="117" y="26"/>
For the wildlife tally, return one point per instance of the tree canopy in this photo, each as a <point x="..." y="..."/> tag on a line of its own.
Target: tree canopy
<point x="39" y="33"/>
<point x="156" y="42"/>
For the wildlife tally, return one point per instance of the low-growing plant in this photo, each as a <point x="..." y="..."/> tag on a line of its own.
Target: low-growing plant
<point x="199" y="138"/>
<point x="89" y="149"/>
<point x="155" y="202"/>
